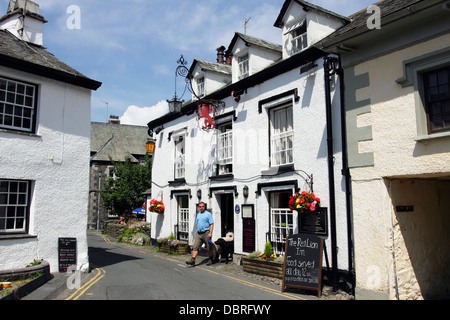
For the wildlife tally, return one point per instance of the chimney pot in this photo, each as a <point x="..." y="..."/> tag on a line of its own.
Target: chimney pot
<point x="220" y="54"/>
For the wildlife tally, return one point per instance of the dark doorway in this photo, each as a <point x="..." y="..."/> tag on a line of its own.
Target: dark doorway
<point x="227" y="213"/>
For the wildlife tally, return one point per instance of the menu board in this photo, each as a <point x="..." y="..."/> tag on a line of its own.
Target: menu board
<point x="303" y="262"/>
<point x="315" y="222"/>
<point x="248" y="235"/>
<point x="67" y="253"/>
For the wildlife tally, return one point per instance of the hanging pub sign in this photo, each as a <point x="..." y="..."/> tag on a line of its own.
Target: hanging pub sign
<point x="303" y="262"/>
<point x="207" y="112"/>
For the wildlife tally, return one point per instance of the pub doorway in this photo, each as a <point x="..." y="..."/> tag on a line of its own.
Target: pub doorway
<point x="226" y="203"/>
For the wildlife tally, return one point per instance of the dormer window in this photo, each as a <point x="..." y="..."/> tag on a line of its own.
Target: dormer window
<point x="201" y="86"/>
<point x="299" y="39"/>
<point x="243" y="66"/>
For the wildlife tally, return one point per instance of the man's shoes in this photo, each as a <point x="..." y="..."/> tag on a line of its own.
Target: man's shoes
<point x="210" y="262"/>
<point x="191" y="262"/>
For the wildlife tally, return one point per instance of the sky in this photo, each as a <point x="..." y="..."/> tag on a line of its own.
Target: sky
<point x="132" y="46"/>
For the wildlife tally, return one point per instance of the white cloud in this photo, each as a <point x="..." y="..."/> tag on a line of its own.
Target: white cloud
<point x="140" y="116"/>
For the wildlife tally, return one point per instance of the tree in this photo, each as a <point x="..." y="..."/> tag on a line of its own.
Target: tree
<point x="123" y="192"/>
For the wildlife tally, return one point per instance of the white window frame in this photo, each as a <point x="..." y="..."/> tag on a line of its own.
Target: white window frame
<point x="281" y="224"/>
<point x="17" y="105"/>
<point x="281" y="135"/>
<point x="179" y="161"/>
<point x="201" y="86"/>
<point x="299" y="41"/>
<point x="14" y="205"/>
<point x="244" y="65"/>
<point x="183" y="219"/>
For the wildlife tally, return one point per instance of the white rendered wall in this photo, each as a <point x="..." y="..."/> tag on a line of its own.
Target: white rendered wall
<point x="251" y="157"/>
<point x="56" y="160"/>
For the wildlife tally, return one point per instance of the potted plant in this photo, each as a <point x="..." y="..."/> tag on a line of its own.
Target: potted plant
<point x="304" y="202"/>
<point x="172" y="246"/>
<point x="265" y="264"/>
<point x="157" y="206"/>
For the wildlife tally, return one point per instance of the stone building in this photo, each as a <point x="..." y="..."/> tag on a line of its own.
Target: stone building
<point x="111" y="141"/>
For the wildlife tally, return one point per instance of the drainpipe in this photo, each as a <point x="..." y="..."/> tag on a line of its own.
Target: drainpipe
<point x="348" y="180"/>
<point x="329" y="70"/>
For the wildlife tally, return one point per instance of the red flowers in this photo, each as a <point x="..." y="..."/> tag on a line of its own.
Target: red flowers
<point x="157" y="206"/>
<point x="304" y="201"/>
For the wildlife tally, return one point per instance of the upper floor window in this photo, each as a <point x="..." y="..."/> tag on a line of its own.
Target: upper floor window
<point x="299" y="37"/>
<point x="17" y="105"/>
<point x="281" y="135"/>
<point x="179" y="158"/>
<point x="225" y="148"/>
<point x="201" y="86"/>
<point x="436" y="87"/>
<point x="14" y="206"/>
<point x="243" y="66"/>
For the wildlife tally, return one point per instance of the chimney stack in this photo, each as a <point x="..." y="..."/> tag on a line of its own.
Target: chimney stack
<point x="24" y="21"/>
<point x="114" y="119"/>
<point x="221" y="55"/>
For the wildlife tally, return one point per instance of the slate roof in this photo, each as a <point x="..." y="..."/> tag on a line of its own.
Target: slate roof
<point x="249" y="40"/>
<point x="212" y="66"/>
<point x="117" y="141"/>
<point x="358" y="22"/>
<point x="306" y="5"/>
<point x="24" y="56"/>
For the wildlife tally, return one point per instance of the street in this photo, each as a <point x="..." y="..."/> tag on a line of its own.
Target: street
<point x="124" y="272"/>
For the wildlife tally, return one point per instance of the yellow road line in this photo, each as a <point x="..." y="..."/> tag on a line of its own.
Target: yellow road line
<point x="106" y="239"/>
<point x="77" y="294"/>
<point x="254" y="285"/>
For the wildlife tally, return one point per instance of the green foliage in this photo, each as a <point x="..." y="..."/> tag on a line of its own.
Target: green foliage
<point x="268" y="249"/>
<point x="128" y="233"/>
<point x="123" y="193"/>
<point x="34" y="263"/>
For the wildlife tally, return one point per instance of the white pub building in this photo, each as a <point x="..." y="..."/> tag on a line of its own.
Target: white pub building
<point x="271" y="126"/>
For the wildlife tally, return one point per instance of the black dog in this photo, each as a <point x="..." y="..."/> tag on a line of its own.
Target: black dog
<point x="226" y="249"/>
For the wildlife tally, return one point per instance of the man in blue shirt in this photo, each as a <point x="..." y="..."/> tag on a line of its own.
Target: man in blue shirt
<point x="205" y="226"/>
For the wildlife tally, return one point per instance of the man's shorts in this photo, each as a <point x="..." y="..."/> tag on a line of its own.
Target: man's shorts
<point x="201" y="238"/>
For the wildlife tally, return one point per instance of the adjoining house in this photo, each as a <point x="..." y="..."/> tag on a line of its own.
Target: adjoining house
<point x="275" y="129"/>
<point x="111" y="141"/>
<point x="45" y="109"/>
<point x="397" y="107"/>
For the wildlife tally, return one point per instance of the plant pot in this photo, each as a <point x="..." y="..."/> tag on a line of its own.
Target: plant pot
<point x="272" y="269"/>
<point x="181" y="248"/>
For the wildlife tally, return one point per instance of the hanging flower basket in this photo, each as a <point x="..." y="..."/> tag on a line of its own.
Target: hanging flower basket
<point x="304" y="202"/>
<point x="157" y="206"/>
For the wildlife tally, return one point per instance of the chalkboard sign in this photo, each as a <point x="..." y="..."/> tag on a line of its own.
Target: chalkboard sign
<point x="67" y="253"/>
<point x="314" y="222"/>
<point x="248" y="235"/>
<point x="303" y="262"/>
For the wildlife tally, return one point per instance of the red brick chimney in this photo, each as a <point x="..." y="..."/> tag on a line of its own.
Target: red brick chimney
<point x="221" y="55"/>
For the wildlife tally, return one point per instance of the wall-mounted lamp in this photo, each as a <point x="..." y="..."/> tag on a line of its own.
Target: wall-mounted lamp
<point x="245" y="192"/>
<point x="199" y="194"/>
<point x="151" y="146"/>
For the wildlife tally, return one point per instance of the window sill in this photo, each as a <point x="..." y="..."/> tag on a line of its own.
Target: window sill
<point x="427" y="138"/>
<point x="228" y="176"/>
<point x="177" y="182"/>
<point x="20" y="133"/>
<point x="16" y="236"/>
<point x="278" y="170"/>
